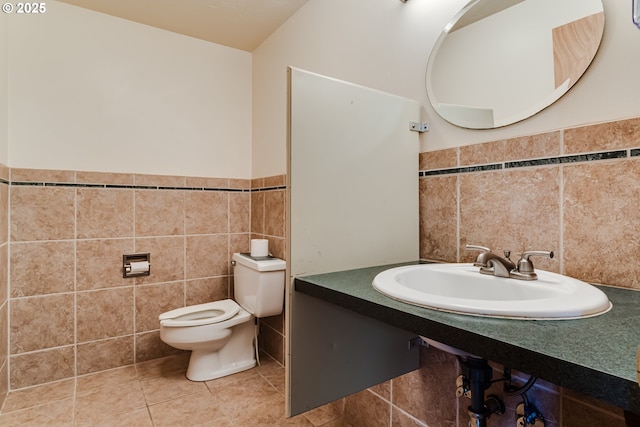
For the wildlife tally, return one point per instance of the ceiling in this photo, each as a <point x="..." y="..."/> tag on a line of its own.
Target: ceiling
<point x="241" y="24"/>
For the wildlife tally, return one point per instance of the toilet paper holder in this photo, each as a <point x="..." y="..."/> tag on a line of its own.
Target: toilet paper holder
<point x="135" y="265"/>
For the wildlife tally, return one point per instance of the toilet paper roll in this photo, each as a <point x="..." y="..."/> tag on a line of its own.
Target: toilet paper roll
<point x="139" y="267"/>
<point x="259" y="247"/>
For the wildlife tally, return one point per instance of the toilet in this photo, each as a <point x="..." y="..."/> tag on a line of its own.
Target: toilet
<point x="221" y="334"/>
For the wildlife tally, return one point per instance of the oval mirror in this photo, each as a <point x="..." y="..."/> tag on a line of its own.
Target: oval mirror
<point x="500" y="61"/>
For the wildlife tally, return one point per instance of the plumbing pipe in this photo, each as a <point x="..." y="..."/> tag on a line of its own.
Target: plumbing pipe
<point x="479" y="374"/>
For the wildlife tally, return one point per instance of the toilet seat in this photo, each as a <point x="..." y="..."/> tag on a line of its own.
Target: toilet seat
<point x="200" y="314"/>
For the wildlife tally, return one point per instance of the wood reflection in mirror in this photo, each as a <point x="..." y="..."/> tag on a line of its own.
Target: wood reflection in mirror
<point x="574" y="47"/>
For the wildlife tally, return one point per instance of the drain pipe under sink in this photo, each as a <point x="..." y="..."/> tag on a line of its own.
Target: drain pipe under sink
<point x="478" y="375"/>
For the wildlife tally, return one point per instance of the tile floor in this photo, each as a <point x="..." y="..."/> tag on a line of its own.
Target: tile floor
<point x="157" y="393"/>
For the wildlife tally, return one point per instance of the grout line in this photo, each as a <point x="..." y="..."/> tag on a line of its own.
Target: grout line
<point x="7" y="379"/>
<point x="561" y="254"/>
<point x="134" y="283"/>
<point x="561" y="205"/>
<point x="75" y="293"/>
<point x="458" y="220"/>
<point x="184" y="250"/>
<point x="458" y="213"/>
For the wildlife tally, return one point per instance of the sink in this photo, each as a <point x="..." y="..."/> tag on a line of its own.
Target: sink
<point x="460" y="288"/>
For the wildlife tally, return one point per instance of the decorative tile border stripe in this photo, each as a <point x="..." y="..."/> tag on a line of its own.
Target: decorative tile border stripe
<point x="137" y="187"/>
<point x="463" y="169"/>
<point x="574" y="158"/>
<point x="606" y="155"/>
<point x="279" y="187"/>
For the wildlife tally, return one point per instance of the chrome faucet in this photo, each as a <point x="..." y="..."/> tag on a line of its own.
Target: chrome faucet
<point x="491" y="263"/>
<point x="496" y="265"/>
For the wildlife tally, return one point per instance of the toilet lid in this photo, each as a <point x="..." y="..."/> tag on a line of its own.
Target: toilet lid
<point x="201" y="314"/>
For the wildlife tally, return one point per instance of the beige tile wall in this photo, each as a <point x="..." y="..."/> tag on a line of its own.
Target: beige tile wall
<point x="72" y="312"/>
<point x="4" y="282"/>
<point x="585" y="211"/>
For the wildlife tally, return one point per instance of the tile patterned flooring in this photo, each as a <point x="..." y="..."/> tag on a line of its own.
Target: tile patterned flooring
<point x="157" y="393"/>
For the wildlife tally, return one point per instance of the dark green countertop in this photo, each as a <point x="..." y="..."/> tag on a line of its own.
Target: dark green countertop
<point x="596" y="356"/>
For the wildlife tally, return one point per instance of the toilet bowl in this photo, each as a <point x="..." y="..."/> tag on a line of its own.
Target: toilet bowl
<point x="221" y="334"/>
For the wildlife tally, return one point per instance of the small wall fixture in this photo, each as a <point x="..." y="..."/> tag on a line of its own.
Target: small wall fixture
<point x="636" y="12"/>
<point x="419" y="127"/>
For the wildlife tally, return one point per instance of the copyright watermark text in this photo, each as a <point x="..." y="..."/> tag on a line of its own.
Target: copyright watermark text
<point x="24" y="8"/>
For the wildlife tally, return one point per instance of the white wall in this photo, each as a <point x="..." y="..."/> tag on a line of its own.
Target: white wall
<point x="92" y="92"/>
<point x="385" y="44"/>
<point x="4" y="68"/>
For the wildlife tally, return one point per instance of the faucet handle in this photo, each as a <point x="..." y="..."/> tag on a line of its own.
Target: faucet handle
<point x="525" y="266"/>
<point x="527" y="254"/>
<point x="477" y="248"/>
<point x="484" y="252"/>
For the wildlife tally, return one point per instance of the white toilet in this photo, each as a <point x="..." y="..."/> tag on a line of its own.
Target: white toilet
<point x="221" y="334"/>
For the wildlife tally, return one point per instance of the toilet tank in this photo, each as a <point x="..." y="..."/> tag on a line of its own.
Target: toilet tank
<point x="259" y="284"/>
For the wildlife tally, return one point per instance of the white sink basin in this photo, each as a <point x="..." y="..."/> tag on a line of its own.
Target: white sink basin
<point x="460" y="288"/>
